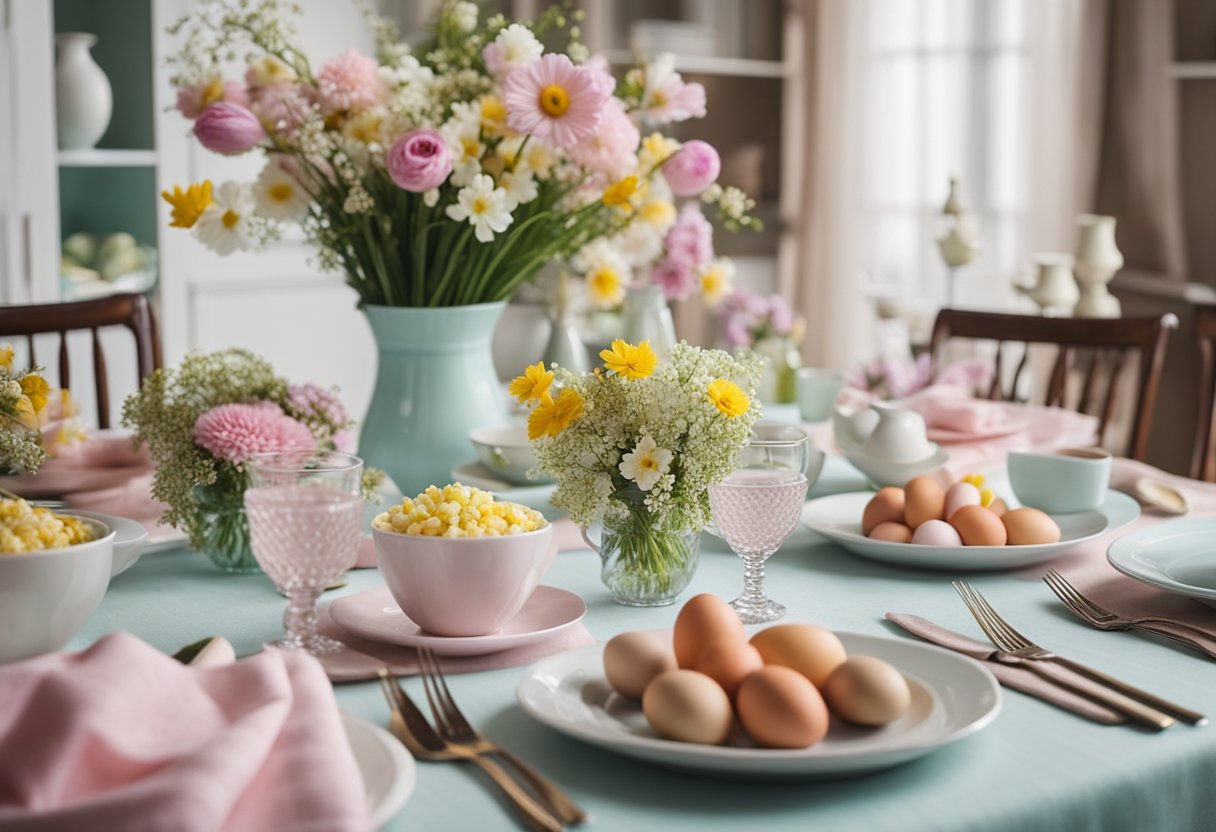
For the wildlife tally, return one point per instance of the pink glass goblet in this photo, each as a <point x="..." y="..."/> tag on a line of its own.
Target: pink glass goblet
<point x="305" y="518"/>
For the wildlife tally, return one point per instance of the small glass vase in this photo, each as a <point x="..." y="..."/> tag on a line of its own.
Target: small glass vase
<point x="225" y="529"/>
<point x="643" y="566"/>
<point x="779" y="384"/>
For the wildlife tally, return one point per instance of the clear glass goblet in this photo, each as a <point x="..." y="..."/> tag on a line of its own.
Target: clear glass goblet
<point x="305" y="518"/>
<point x="756" y="508"/>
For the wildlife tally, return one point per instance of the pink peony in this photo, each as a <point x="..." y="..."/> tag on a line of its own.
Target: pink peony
<point x="350" y="81"/>
<point x="692" y="169"/>
<point x="192" y="100"/>
<point x="282" y="107"/>
<point x="676" y="279"/>
<point x="690" y="242"/>
<point x="228" y="128"/>
<point x="419" y="161"/>
<point x="611" y="149"/>
<point x="554" y="100"/>
<point x="235" y="432"/>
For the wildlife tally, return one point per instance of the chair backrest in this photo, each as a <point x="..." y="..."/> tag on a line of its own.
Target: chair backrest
<point x="129" y="310"/>
<point x="1203" y="459"/>
<point x="1103" y="344"/>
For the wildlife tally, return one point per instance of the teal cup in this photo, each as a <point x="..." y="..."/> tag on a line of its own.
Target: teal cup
<point x="817" y="391"/>
<point x="1060" y="482"/>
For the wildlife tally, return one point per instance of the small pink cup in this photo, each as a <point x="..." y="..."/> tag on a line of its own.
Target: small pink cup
<point x="463" y="586"/>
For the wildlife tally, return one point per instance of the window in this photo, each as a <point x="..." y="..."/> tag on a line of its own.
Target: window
<point x="946" y="98"/>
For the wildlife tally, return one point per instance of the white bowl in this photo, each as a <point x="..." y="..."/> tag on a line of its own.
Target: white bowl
<point x="506" y="452"/>
<point x="46" y="597"/>
<point x="463" y="586"/>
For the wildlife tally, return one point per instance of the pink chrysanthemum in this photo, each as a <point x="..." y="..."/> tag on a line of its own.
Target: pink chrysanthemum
<point x="282" y="108"/>
<point x="350" y="81"/>
<point x="235" y="432"/>
<point x="676" y="279"/>
<point x="611" y="149"/>
<point x="690" y="242"/>
<point x="554" y="100"/>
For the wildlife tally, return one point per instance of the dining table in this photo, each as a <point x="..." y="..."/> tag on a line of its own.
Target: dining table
<point x="1035" y="766"/>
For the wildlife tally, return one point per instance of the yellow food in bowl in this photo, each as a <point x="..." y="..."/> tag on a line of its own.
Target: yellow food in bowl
<point x="458" y="511"/>
<point x="24" y="528"/>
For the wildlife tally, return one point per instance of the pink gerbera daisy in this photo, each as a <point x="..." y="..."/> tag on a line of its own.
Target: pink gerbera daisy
<point x="235" y="432"/>
<point x="555" y="100"/>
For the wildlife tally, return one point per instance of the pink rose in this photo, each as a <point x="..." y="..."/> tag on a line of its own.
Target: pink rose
<point x="419" y="161"/>
<point x="228" y="128"/>
<point x="693" y="168"/>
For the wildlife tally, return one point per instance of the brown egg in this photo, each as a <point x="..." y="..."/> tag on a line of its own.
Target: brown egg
<point x="632" y="660"/>
<point x="688" y="706"/>
<point x="893" y="532"/>
<point x="924" y="500"/>
<point x="1028" y="526"/>
<point x="779" y="708"/>
<point x="887" y="506"/>
<point x="867" y="691"/>
<point x="978" y="526"/>
<point x="998" y="507"/>
<point x="813" y="652"/>
<point x="704" y="618"/>
<point x="728" y="662"/>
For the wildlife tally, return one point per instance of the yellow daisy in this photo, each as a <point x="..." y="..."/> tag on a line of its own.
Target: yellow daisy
<point x="533" y="384"/>
<point x="188" y="205"/>
<point x="617" y="194"/>
<point x="629" y="361"/>
<point x="717" y="280"/>
<point x="6" y="357"/>
<point x="605" y="288"/>
<point x="551" y="417"/>
<point x="36" y="389"/>
<point x="24" y="411"/>
<point x="728" y="397"/>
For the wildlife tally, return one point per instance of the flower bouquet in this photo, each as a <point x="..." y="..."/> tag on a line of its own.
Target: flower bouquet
<point x="24" y="399"/>
<point x="205" y="420"/>
<point x="770" y="327"/>
<point x="637" y="443"/>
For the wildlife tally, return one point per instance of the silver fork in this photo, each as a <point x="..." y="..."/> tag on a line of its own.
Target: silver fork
<point x="1103" y="619"/>
<point x="1138" y="704"/>
<point x="455" y="728"/>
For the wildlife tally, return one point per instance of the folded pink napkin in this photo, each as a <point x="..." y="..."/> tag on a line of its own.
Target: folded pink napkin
<point x="365" y="658"/>
<point x="953" y="409"/>
<point x="102" y="461"/>
<point x="1012" y="676"/>
<point x="122" y="737"/>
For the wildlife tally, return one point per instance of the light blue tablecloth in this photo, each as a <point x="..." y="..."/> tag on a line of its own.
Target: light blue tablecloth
<point x="1035" y="768"/>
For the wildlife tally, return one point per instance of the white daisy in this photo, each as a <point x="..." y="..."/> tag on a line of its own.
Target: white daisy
<point x="640" y="244"/>
<point x="646" y="463"/>
<point x="486" y="207"/>
<point x="520" y="185"/>
<point x="463" y="134"/>
<point x="277" y="195"/>
<point x="224" y="224"/>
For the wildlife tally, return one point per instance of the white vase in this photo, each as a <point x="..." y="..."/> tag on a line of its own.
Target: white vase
<point x="646" y="317"/>
<point x="84" y="101"/>
<point x="1098" y="258"/>
<point x="1056" y="289"/>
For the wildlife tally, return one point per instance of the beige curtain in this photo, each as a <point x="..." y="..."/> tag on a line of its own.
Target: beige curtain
<point x="821" y="200"/>
<point x="1139" y="176"/>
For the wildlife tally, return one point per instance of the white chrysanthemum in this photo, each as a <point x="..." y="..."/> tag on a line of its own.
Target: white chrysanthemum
<point x="640" y="244"/>
<point x="463" y="134"/>
<point x="518" y="46"/>
<point x="277" y="195"/>
<point x="646" y="463"/>
<point x="520" y="185"/>
<point x="224" y="225"/>
<point x="486" y="207"/>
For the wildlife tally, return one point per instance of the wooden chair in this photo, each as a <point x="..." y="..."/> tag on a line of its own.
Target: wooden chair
<point x="1102" y="343"/>
<point x="1203" y="459"/>
<point x="129" y="310"/>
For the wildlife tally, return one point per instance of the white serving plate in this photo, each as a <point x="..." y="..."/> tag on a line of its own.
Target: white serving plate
<point x="838" y="518"/>
<point x="389" y="772"/>
<point x="1178" y="557"/>
<point x="952" y="698"/>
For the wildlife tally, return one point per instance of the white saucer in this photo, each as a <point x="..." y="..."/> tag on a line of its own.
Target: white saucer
<point x="130" y="538"/>
<point x="1175" y="557"/>
<point x="374" y="615"/>
<point x="479" y="476"/>
<point x="389" y="772"/>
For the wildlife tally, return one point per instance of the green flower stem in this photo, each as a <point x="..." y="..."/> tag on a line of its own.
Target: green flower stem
<point x="649" y="564"/>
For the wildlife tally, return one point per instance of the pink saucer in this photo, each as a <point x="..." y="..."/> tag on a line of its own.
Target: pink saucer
<point x="374" y="615"/>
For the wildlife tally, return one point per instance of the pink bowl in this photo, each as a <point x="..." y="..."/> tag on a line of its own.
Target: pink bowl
<point x="463" y="586"/>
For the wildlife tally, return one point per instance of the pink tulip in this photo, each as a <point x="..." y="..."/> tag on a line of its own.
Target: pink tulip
<point x="419" y="161"/>
<point x="693" y="168"/>
<point x="228" y="128"/>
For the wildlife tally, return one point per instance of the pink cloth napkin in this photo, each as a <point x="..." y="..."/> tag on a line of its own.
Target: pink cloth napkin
<point x="1085" y="566"/>
<point x="1012" y="676"/>
<point x="365" y="658"/>
<point x="122" y="737"/>
<point x="952" y="409"/>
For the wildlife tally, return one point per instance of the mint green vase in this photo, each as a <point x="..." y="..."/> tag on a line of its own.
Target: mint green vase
<point x="435" y="382"/>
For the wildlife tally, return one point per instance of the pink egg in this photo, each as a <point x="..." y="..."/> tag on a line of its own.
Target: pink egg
<point x="936" y="533"/>
<point x="960" y="494"/>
